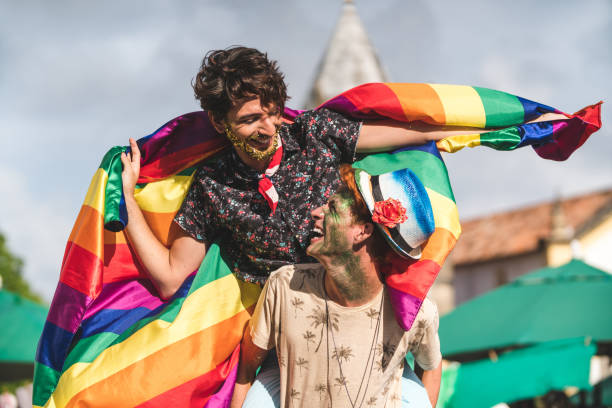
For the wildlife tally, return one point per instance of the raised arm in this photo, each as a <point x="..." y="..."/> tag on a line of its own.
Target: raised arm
<point x="384" y="135"/>
<point x="167" y="267"/>
<point x="251" y="358"/>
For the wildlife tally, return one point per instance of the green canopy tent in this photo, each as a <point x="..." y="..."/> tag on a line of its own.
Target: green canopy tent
<point x="21" y="323"/>
<point x="517" y="375"/>
<point x="570" y="301"/>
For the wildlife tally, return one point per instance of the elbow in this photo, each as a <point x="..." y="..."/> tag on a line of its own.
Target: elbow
<point x="167" y="290"/>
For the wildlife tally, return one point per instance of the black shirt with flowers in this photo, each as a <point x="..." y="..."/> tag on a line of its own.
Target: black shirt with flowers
<point x="223" y="205"/>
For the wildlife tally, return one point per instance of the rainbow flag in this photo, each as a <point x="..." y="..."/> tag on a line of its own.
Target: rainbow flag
<point x="110" y="340"/>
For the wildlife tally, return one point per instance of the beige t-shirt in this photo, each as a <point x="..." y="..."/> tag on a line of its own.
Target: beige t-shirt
<point x="356" y="361"/>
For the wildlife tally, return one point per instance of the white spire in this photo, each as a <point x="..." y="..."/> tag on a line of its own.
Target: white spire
<point x="350" y="59"/>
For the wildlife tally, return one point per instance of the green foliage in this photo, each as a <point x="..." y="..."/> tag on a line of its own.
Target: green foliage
<point x="10" y="271"/>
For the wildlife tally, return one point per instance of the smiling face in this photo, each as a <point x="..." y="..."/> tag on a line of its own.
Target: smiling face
<point x="335" y="230"/>
<point x="253" y="130"/>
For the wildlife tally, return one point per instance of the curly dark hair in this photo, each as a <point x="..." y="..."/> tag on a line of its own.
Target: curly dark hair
<point x="230" y="76"/>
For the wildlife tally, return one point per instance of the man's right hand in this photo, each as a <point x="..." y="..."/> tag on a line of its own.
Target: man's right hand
<point x="167" y="267"/>
<point x="131" y="168"/>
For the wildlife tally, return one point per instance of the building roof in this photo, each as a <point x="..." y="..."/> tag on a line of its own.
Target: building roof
<point x="524" y="230"/>
<point x="349" y="60"/>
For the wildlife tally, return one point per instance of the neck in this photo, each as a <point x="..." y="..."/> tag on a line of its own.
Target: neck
<point x="351" y="280"/>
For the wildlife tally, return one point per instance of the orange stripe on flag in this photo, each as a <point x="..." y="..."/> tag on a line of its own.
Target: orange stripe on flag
<point x="197" y="392"/>
<point x="160" y="224"/>
<point x="87" y="230"/>
<point x="439" y="246"/>
<point x="420" y="102"/>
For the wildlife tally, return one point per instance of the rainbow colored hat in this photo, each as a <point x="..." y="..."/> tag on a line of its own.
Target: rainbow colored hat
<point x="400" y="207"/>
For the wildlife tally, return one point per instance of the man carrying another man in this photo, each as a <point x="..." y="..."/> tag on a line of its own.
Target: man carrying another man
<point x="336" y="337"/>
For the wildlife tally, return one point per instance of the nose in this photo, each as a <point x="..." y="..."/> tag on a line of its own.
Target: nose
<point x="269" y="124"/>
<point x="317" y="213"/>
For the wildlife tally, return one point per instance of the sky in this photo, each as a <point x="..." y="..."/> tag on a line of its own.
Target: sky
<point x="78" y="77"/>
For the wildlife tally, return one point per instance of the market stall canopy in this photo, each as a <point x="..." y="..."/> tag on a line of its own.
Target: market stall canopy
<point x="518" y="375"/>
<point x="570" y="301"/>
<point x="22" y="321"/>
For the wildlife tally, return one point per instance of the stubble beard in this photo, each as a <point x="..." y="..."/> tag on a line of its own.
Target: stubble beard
<point x="346" y="271"/>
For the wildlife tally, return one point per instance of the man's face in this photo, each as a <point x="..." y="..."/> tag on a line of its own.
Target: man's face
<point x="334" y="229"/>
<point x="252" y="128"/>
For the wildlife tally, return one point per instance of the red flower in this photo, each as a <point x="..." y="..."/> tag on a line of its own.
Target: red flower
<point x="389" y="213"/>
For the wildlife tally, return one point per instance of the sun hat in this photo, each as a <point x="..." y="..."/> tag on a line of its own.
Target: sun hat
<point x="400" y="207"/>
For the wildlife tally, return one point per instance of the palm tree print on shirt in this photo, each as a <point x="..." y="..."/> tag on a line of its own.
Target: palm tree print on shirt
<point x="307" y="273"/>
<point x="297" y="303"/>
<point x="385" y="350"/>
<point x="309" y="337"/>
<point x="302" y="362"/>
<point x="343" y="353"/>
<point x="373" y="315"/>
<point x="294" y="395"/>
<point x="319" y="318"/>
<point x="340" y="382"/>
<point x="321" y="389"/>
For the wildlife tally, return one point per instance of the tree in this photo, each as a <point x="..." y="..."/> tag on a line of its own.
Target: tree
<point x="10" y="271"/>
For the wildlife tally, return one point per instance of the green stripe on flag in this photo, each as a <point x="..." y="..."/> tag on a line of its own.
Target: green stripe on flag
<point x="501" y="109"/>
<point x="505" y="139"/>
<point x="46" y="380"/>
<point x="427" y="167"/>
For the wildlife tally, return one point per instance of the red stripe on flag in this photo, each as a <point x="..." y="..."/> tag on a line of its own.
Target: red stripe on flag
<point x="82" y="270"/>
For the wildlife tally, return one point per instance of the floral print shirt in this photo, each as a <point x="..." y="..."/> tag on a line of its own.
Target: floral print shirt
<point x="223" y="205"/>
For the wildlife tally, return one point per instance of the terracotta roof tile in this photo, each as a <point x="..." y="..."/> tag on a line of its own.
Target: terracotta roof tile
<point x="522" y="231"/>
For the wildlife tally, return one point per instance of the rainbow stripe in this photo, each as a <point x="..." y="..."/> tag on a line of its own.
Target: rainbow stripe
<point x="109" y="340"/>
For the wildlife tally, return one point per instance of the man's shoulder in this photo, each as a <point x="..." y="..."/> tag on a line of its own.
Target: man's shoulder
<point x="428" y="313"/>
<point x="285" y="276"/>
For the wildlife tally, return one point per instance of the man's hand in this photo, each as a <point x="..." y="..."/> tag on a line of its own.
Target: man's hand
<point x="167" y="268"/>
<point x="131" y="168"/>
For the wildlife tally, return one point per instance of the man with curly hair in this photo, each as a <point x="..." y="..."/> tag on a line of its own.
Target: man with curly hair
<point x="254" y="199"/>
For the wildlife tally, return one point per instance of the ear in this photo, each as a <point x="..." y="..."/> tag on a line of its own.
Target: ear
<point x="364" y="231"/>
<point x="219" y="126"/>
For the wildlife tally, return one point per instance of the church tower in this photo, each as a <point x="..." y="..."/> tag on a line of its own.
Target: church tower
<point x="349" y="60"/>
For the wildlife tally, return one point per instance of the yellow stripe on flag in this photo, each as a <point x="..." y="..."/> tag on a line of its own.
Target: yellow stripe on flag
<point x="445" y="212"/>
<point x="95" y="193"/>
<point x="236" y="297"/>
<point x="163" y="196"/>
<point x="462" y="105"/>
<point x="453" y="144"/>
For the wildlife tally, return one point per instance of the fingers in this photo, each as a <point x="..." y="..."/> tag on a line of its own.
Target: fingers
<point x="135" y="151"/>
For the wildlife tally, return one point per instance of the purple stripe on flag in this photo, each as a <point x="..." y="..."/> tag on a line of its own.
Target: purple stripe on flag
<point x="67" y="308"/>
<point x="341" y="104"/>
<point x="178" y="134"/>
<point x="405" y="305"/>
<point x="125" y="295"/>
<point x="223" y="397"/>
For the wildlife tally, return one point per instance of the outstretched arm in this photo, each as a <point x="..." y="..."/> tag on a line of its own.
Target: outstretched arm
<point x="167" y="267"/>
<point x="251" y="358"/>
<point x="384" y="135"/>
